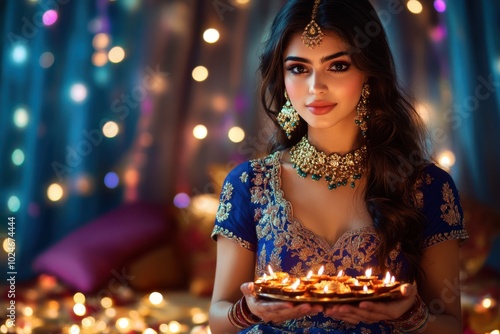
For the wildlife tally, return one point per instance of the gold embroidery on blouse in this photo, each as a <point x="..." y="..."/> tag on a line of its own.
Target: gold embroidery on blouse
<point x="244" y="177"/>
<point x="449" y="209"/>
<point x="230" y="235"/>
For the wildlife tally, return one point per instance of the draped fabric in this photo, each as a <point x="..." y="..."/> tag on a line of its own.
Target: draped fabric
<point x="152" y="97"/>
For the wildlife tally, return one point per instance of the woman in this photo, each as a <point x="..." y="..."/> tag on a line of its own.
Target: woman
<point x="346" y="186"/>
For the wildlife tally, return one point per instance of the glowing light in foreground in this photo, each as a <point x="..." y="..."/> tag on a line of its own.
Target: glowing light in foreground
<point x="111" y="180"/>
<point x="78" y="92"/>
<point x="414" y="6"/>
<point x="17" y="157"/>
<point x="49" y="17"/>
<point x="155" y="298"/>
<point x="19" y="53"/>
<point x="116" y="54"/>
<point x="110" y="129"/>
<point x="182" y="200"/>
<point x="446" y="159"/>
<point x="200" y="131"/>
<point x="236" y="134"/>
<point x="211" y="35"/>
<point x="200" y="73"/>
<point x="440" y="5"/>
<point x="21" y="117"/>
<point x="55" y="192"/>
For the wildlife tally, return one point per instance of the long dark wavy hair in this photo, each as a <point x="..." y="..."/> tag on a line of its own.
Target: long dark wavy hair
<point x="395" y="137"/>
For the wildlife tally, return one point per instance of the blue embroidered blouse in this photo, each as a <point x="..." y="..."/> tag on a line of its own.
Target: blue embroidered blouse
<point x="254" y="213"/>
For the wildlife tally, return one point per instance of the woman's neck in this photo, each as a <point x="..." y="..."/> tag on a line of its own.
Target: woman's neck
<point x="340" y="142"/>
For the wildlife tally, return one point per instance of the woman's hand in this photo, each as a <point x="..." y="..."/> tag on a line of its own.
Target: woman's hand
<point x="275" y="311"/>
<point x="370" y="312"/>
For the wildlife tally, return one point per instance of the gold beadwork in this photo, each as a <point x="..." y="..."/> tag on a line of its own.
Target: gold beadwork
<point x="312" y="35"/>
<point x="288" y="118"/>
<point x="338" y="170"/>
<point x="362" y="110"/>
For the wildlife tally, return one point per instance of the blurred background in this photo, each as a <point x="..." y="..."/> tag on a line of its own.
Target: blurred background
<point x="119" y="119"/>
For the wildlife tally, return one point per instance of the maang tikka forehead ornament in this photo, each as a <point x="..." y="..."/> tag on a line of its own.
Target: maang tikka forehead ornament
<point x="312" y="35"/>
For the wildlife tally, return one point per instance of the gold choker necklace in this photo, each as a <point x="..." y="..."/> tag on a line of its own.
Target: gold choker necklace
<point x="337" y="169"/>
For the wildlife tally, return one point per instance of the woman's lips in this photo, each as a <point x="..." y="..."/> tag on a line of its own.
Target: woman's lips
<point x="320" y="108"/>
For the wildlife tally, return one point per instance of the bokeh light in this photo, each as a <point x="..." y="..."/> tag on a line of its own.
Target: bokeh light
<point x="440" y="5"/>
<point x="13" y="204"/>
<point x="110" y="129"/>
<point x="106" y="302"/>
<point x="236" y="134"/>
<point x="78" y="92"/>
<point x="242" y="2"/>
<point x="123" y="324"/>
<point x="200" y="73"/>
<point x="211" y="35"/>
<point x="79" y="309"/>
<point x="19" y="53"/>
<point x="200" y="131"/>
<point x="100" y="41"/>
<point x="116" y="54"/>
<point x="182" y="200"/>
<point x="55" y="192"/>
<point x="99" y="58"/>
<point x="111" y="180"/>
<point x="83" y="185"/>
<point x="174" y="326"/>
<point x="46" y="59"/>
<point x="17" y="157"/>
<point x="79" y="298"/>
<point x="21" y="117"/>
<point x="446" y="159"/>
<point x="155" y="298"/>
<point x="8" y="245"/>
<point x="131" y="177"/>
<point x="49" y="17"/>
<point x="414" y="6"/>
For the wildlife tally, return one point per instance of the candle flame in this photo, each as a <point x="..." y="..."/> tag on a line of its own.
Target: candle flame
<point x="340" y="273"/>
<point x="487" y="302"/>
<point x="295" y="285"/>
<point x="284" y="280"/>
<point x="356" y="282"/>
<point x="309" y="274"/>
<point x="368" y="272"/>
<point x="365" y="288"/>
<point x="320" y="271"/>
<point x="265" y="277"/>
<point x="393" y="279"/>
<point x="271" y="272"/>
<point x="387" y="278"/>
<point x="325" y="289"/>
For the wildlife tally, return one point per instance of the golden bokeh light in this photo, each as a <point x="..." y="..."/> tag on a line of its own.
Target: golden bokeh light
<point x="200" y="73"/>
<point x="55" y="192"/>
<point x="110" y="129"/>
<point x="236" y="134"/>
<point x="116" y="54"/>
<point x="414" y="6"/>
<point x="200" y="131"/>
<point x="211" y="35"/>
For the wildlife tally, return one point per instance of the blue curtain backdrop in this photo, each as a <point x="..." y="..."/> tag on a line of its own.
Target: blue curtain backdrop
<point x="59" y="87"/>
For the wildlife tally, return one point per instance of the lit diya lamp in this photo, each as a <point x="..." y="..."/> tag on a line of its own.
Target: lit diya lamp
<point x="262" y="281"/>
<point x="355" y="285"/>
<point x="278" y="276"/>
<point x="320" y="276"/>
<point x="367" y="277"/>
<point x="385" y="285"/>
<point x="274" y="286"/>
<point x="296" y="289"/>
<point x="309" y="279"/>
<point x="365" y="292"/>
<point x="325" y="292"/>
<point x="341" y="277"/>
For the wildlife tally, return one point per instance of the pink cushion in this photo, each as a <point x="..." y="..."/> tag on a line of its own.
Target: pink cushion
<point x="97" y="252"/>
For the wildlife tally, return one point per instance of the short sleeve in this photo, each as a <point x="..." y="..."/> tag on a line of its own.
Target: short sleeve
<point x="438" y="198"/>
<point x="234" y="218"/>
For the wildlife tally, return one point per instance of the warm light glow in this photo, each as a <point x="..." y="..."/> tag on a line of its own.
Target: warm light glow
<point x="99" y="58"/>
<point x="100" y="41"/>
<point x="340" y="274"/>
<point x="55" y="192"/>
<point x="423" y="112"/>
<point x="163" y="328"/>
<point x="271" y="272"/>
<point x="79" y="298"/>
<point x="309" y="274"/>
<point x="46" y="59"/>
<point x="446" y="159"/>
<point x="321" y="270"/>
<point x="296" y="284"/>
<point x="3" y="329"/>
<point x="88" y="322"/>
<point x="131" y="177"/>
<point x="149" y="331"/>
<point x="242" y="2"/>
<point x="79" y="309"/>
<point x="100" y="326"/>
<point x="116" y="54"/>
<point x="356" y="282"/>
<point x="211" y="35"/>
<point x="365" y="288"/>
<point x="78" y="92"/>
<point x="83" y="185"/>
<point x="17" y="157"/>
<point x="110" y="129"/>
<point x="387" y="278"/>
<point x="49" y="17"/>
<point x="496" y="331"/>
<point x="74" y="329"/>
<point x="200" y="73"/>
<point x="200" y="131"/>
<point x="236" y="134"/>
<point x="174" y="327"/>
<point x="21" y="117"/>
<point x="414" y="6"/>
<point x="199" y="317"/>
<point x="8" y="246"/>
<point x="110" y="312"/>
<point x="123" y="323"/>
<point x="13" y="203"/>
<point x="368" y="272"/>
<point x="486" y="302"/>
<point x="106" y="302"/>
<point x="155" y="298"/>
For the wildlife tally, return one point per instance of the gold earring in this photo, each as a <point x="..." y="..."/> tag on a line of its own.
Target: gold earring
<point x="288" y="118"/>
<point x="362" y="110"/>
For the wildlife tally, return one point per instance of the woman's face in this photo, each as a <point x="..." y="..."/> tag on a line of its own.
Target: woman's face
<point x="322" y="84"/>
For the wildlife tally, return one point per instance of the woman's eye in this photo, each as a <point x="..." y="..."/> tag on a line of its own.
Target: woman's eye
<point x="340" y="67"/>
<point x="297" y="69"/>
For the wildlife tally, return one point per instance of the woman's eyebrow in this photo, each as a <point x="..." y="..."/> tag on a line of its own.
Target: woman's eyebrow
<point x="324" y="59"/>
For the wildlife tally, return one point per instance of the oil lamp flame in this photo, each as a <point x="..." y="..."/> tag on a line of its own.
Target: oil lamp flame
<point x="271" y="272"/>
<point x="368" y="272"/>
<point x="309" y="274"/>
<point x="365" y="288"/>
<point x="340" y="273"/>
<point x="387" y="278"/>
<point x="320" y="271"/>
<point x="295" y="285"/>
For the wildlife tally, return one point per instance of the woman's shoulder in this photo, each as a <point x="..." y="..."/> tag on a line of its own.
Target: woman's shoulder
<point x="248" y="169"/>
<point x="433" y="176"/>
